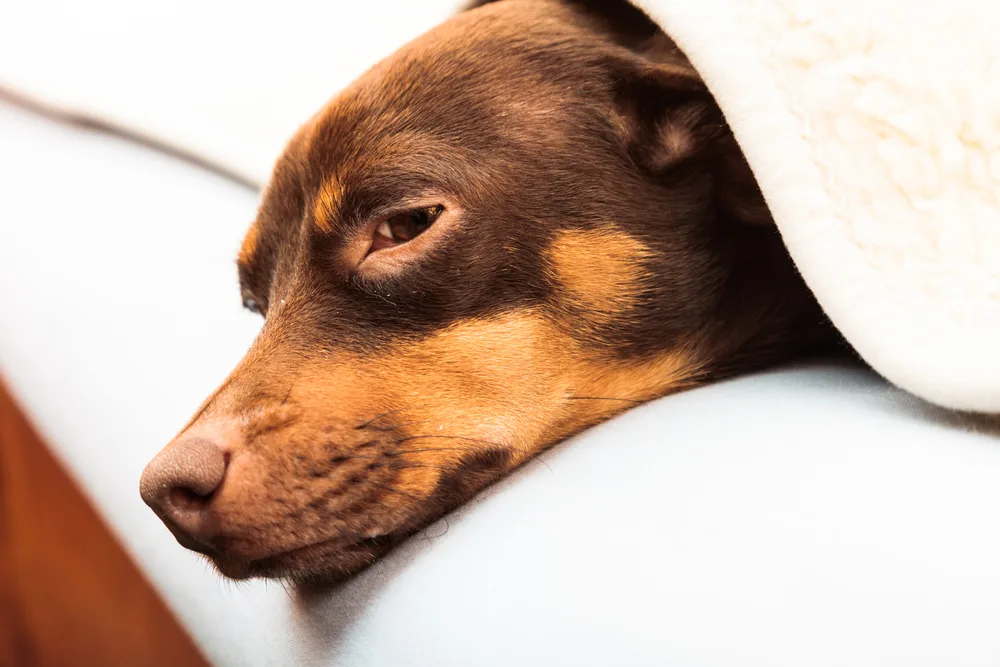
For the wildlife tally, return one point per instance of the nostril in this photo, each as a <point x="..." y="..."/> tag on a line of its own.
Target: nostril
<point x="179" y="482"/>
<point x="186" y="500"/>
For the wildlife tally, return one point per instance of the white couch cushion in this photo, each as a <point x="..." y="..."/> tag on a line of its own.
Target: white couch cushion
<point x="810" y="516"/>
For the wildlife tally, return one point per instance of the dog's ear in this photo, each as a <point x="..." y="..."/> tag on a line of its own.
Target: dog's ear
<point x="666" y="113"/>
<point x="670" y="122"/>
<point x="663" y="108"/>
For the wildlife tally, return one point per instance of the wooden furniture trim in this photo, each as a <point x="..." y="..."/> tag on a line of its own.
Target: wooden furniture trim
<point x="69" y="594"/>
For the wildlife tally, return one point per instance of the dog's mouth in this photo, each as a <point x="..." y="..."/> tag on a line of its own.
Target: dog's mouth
<point x="321" y="503"/>
<point x="282" y="562"/>
<point x="325" y="561"/>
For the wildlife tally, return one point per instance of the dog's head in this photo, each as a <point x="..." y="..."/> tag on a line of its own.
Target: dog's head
<point x="522" y="223"/>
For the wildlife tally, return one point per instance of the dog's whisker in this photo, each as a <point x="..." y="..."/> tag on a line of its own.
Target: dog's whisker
<point x="428" y="466"/>
<point x="287" y="394"/>
<point x="350" y="457"/>
<point x="448" y="437"/>
<point x="376" y="418"/>
<point x="332" y="444"/>
<point x="424" y="536"/>
<point x="396" y="427"/>
<point x="542" y="461"/>
<point x="269" y="429"/>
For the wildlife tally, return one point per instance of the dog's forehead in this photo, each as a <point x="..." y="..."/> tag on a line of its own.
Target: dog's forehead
<point x="470" y="107"/>
<point x="478" y="77"/>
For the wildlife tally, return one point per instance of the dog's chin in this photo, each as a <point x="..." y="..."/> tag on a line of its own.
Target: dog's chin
<point x="322" y="564"/>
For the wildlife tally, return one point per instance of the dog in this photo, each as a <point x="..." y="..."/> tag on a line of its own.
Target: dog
<point x="519" y="225"/>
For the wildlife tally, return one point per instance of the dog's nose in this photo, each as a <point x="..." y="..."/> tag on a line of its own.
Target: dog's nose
<point x="177" y="485"/>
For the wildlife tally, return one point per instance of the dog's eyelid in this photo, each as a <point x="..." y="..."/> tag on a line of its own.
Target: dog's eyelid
<point x="401" y="227"/>
<point x="401" y="235"/>
<point x="433" y="210"/>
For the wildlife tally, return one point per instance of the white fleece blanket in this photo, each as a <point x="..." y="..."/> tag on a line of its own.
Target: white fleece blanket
<point x="873" y="127"/>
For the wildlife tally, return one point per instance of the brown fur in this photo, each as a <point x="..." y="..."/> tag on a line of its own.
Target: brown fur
<point x="604" y="247"/>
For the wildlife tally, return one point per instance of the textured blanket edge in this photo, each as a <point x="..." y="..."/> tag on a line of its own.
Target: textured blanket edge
<point x="874" y="133"/>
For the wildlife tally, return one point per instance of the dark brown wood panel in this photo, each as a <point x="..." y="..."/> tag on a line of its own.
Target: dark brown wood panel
<point x="69" y="594"/>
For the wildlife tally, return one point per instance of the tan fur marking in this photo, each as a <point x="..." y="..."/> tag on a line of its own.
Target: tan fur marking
<point x="600" y="271"/>
<point x="250" y="242"/>
<point x="326" y="204"/>
<point x="463" y="376"/>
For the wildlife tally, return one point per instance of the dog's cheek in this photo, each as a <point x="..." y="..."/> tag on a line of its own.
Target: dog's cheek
<point x="494" y="379"/>
<point x="598" y="275"/>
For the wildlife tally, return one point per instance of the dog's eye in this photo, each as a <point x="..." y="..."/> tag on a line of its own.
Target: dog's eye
<point x="404" y="227"/>
<point x="252" y="305"/>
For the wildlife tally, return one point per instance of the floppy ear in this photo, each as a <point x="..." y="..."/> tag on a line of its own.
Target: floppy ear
<point x="663" y="108"/>
<point x="669" y="117"/>
<point x="672" y="123"/>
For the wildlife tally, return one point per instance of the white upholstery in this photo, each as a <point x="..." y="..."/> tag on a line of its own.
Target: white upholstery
<point x="810" y="516"/>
